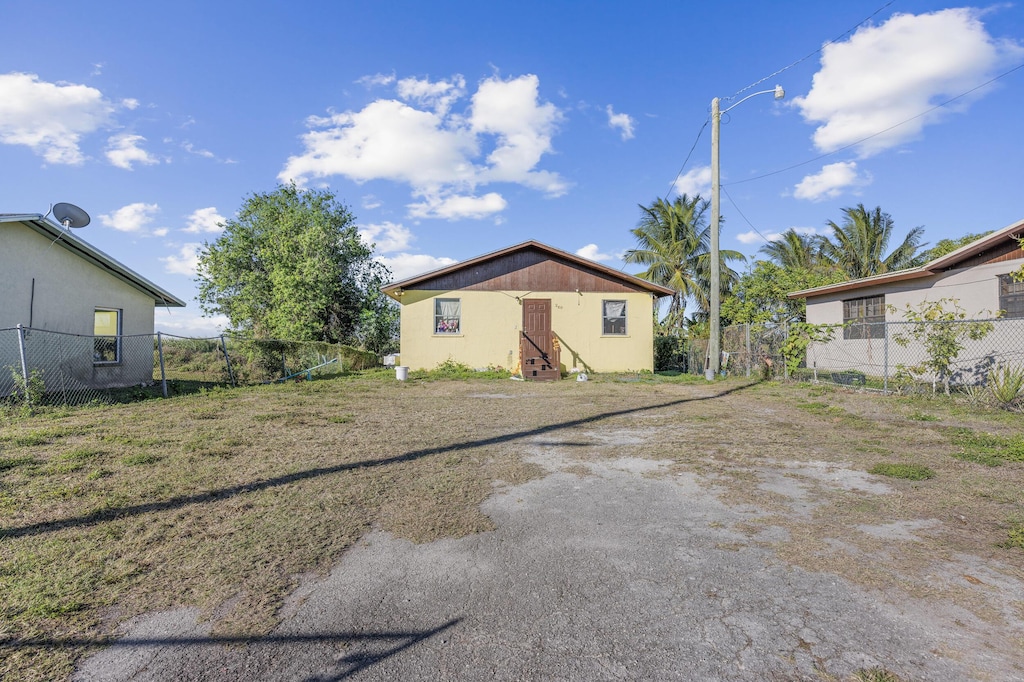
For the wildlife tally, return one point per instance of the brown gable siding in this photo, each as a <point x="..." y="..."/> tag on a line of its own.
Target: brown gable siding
<point x="527" y="270"/>
<point x="1008" y="250"/>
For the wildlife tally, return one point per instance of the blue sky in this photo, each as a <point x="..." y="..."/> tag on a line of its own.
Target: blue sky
<point x="456" y="128"/>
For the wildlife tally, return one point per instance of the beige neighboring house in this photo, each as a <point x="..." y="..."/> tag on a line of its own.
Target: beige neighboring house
<point x="530" y="306"/>
<point x="976" y="275"/>
<point x="52" y="281"/>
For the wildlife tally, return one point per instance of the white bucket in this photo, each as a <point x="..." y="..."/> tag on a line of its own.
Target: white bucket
<point x="401" y="373"/>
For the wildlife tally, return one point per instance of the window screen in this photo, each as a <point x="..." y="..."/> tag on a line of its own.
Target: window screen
<point x="447" y="315"/>
<point x="1011" y="297"/>
<point x="106" y="336"/>
<point x="613" y="317"/>
<point x="864" y="317"/>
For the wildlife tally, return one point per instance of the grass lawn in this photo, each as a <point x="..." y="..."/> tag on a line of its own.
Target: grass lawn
<point x="222" y="499"/>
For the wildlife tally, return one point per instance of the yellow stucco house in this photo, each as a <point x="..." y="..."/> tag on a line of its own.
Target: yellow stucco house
<point x="532" y="307"/>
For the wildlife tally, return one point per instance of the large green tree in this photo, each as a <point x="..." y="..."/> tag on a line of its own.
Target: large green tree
<point x="761" y="295"/>
<point x="858" y="245"/>
<point x="292" y="266"/>
<point x="673" y="241"/>
<point x="946" y="246"/>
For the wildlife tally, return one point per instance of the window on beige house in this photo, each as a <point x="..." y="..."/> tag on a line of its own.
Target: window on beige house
<point x="864" y="318"/>
<point x="1011" y="297"/>
<point x="106" y="336"/>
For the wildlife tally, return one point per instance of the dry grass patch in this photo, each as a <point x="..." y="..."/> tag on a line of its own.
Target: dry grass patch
<point x="220" y="500"/>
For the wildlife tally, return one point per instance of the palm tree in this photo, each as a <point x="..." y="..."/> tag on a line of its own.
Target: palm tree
<point x="857" y="246"/>
<point x="795" y="251"/>
<point x="673" y="241"/>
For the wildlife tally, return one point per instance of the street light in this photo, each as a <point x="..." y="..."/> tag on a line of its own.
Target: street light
<point x="714" y="344"/>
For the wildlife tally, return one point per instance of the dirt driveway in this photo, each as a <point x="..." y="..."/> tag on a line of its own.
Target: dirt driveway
<point x="716" y="533"/>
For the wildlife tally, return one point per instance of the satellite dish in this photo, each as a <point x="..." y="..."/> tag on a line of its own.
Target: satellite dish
<point x="70" y="215"/>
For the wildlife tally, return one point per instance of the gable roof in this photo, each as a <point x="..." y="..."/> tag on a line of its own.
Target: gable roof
<point x="66" y="240"/>
<point x="419" y="281"/>
<point x="998" y="246"/>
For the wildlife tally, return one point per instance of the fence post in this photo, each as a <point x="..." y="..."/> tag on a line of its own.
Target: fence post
<point x="227" y="360"/>
<point x="885" y="361"/>
<point x="748" y="349"/>
<point x="160" y="352"/>
<point x="24" y="362"/>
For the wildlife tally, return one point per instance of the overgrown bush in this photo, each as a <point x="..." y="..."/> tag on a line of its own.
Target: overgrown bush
<point x="669" y="352"/>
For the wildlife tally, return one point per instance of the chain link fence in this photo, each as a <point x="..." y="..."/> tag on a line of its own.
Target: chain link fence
<point x="749" y="350"/>
<point x="40" y="367"/>
<point x="924" y="356"/>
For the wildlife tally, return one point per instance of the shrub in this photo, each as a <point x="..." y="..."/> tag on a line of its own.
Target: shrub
<point x="1005" y="384"/>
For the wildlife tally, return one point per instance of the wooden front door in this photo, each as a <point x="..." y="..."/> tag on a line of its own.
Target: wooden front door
<point x="539" y="361"/>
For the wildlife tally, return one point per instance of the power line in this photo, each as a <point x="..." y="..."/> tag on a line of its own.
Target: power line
<point x="745" y="219"/>
<point x="880" y="132"/>
<point x="687" y="159"/>
<point x="803" y="59"/>
<point x="756" y="83"/>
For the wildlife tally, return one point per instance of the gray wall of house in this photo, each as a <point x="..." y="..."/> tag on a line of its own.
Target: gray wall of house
<point x="975" y="288"/>
<point x="68" y="290"/>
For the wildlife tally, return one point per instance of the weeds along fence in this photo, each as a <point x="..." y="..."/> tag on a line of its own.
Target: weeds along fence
<point x="751" y="350"/>
<point x="44" y="367"/>
<point x="886" y="356"/>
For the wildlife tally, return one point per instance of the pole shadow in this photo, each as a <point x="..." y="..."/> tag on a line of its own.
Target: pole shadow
<point x="347" y="666"/>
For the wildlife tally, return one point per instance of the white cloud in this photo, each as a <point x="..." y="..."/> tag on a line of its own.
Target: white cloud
<point x="438" y="153"/>
<point x="130" y="103"/>
<point x="510" y="109"/>
<point x="371" y="202"/>
<point x="753" y="237"/>
<point x="439" y="95"/>
<point x="695" y="181"/>
<point x="389" y="140"/>
<point x="185" y="261"/>
<point x="591" y="252"/>
<point x="884" y="75"/>
<point x="455" y="207"/>
<point x="123" y="150"/>
<point x="831" y="181"/>
<point x="387" y="237"/>
<point x="205" y="220"/>
<point x="405" y="265"/>
<point x="188" y="323"/>
<point x="377" y="79"/>
<point x="50" y="118"/>
<point x="192" y="149"/>
<point x="160" y="232"/>
<point x="624" y="122"/>
<point x="131" y="218"/>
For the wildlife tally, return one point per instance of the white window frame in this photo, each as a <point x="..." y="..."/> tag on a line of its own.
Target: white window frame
<point x="607" y="320"/>
<point x="442" y="322"/>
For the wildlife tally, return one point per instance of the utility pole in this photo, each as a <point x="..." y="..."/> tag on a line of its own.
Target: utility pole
<point x="714" y="336"/>
<point x="714" y="359"/>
